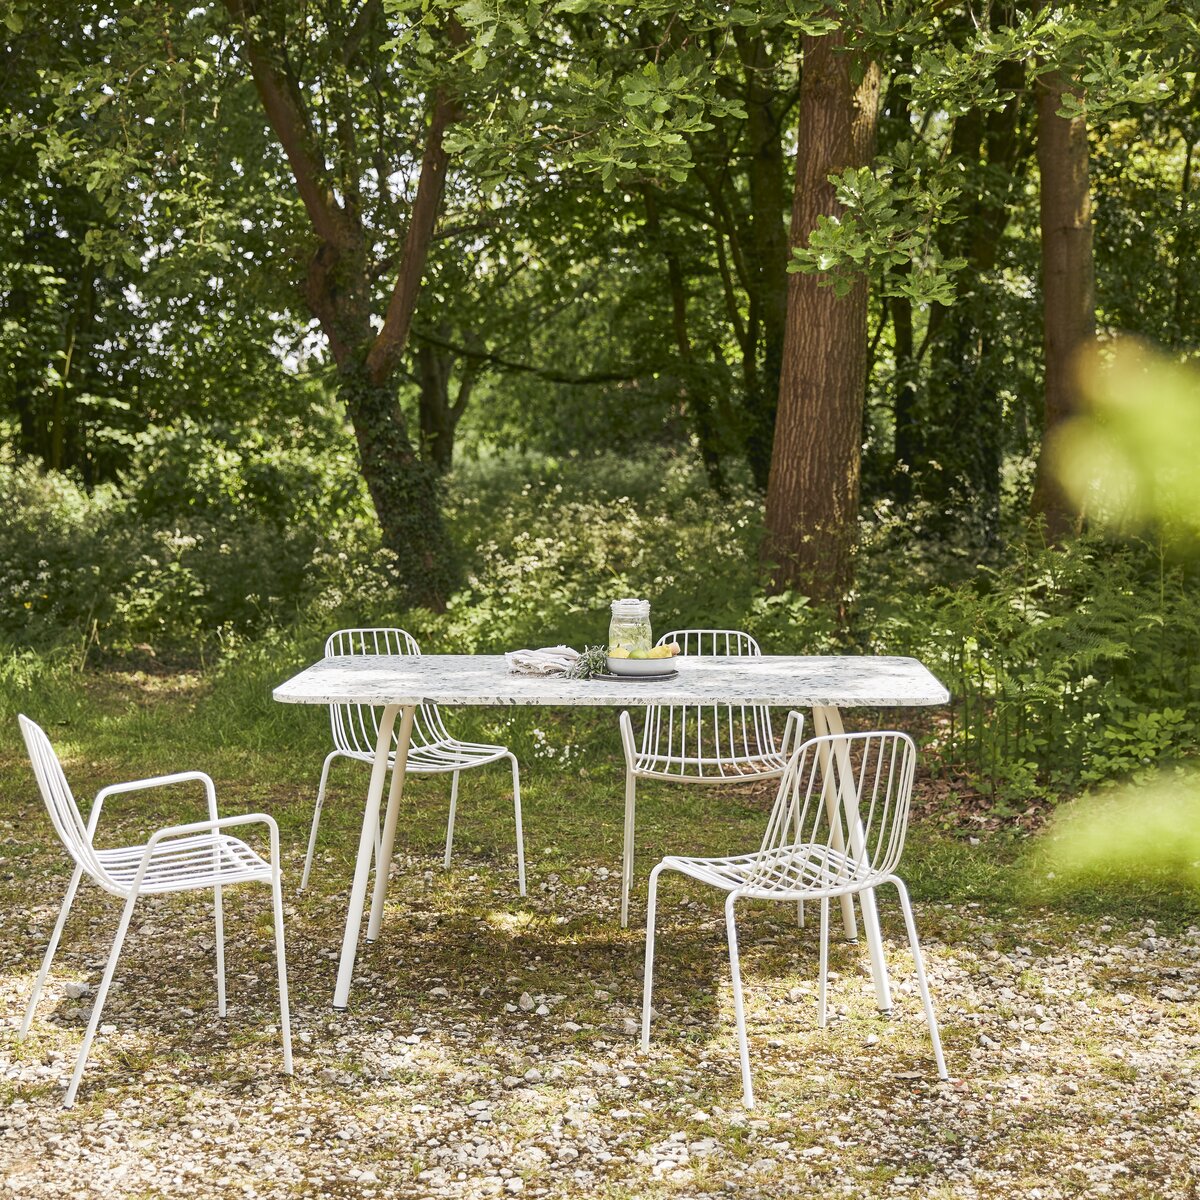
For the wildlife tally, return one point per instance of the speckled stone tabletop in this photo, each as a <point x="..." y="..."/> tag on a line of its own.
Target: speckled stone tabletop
<point x="484" y="679"/>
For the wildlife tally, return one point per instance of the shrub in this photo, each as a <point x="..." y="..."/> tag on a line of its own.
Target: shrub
<point x="1067" y="667"/>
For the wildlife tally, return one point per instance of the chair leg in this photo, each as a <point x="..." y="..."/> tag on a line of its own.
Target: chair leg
<point x="285" y="1019"/>
<point x="98" y="1003"/>
<point x="316" y="821"/>
<point x="648" y="974"/>
<point x="51" y="949"/>
<point x="627" y="847"/>
<point x="219" y="915"/>
<point x="516" y="772"/>
<point x="739" y="1008"/>
<point x="922" y="983"/>
<point x="450" y="823"/>
<point x="823" y="969"/>
<point x="792" y="718"/>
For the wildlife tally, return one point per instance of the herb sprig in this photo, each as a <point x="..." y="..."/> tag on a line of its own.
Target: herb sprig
<point x="593" y="660"/>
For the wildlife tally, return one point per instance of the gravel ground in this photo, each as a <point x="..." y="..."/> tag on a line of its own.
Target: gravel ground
<point x="491" y="1050"/>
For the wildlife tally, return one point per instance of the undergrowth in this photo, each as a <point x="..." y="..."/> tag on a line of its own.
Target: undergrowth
<point x="1068" y="668"/>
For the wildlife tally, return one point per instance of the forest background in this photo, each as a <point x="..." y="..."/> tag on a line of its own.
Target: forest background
<point x="471" y="317"/>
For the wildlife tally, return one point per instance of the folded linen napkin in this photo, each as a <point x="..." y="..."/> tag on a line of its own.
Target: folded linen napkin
<point x="549" y="660"/>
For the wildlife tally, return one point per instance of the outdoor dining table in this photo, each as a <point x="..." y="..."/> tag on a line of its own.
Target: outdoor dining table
<point x="399" y="685"/>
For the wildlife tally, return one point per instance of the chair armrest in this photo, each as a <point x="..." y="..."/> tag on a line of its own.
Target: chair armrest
<point x="627" y="743"/>
<point x="211" y="826"/>
<point x="216" y="824"/>
<point x="137" y="785"/>
<point x="792" y="732"/>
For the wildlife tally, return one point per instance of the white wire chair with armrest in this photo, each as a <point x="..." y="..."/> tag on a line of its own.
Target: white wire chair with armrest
<point x="192" y="857"/>
<point x="837" y="828"/>
<point x="701" y="744"/>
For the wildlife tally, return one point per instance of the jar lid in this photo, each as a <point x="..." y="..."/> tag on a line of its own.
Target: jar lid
<point x="631" y="607"/>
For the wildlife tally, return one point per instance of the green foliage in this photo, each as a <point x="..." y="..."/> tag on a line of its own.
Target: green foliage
<point x="1131" y="460"/>
<point x="892" y="212"/>
<point x="213" y="537"/>
<point x="552" y="549"/>
<point x="1066" y="668"/>
<point x="1136" y="832"/>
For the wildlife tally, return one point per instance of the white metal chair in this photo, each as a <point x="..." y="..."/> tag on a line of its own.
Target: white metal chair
<point x="837" y="828"/>
<point x="433" y="751"/>
<point x="190" y="857"/>
<point x="701" y="743"/>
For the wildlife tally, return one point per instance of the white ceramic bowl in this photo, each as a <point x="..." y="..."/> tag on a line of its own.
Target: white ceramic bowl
<point x="641" y="666"/>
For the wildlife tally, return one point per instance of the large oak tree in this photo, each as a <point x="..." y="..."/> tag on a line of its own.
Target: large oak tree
<point x="812" y="497"/>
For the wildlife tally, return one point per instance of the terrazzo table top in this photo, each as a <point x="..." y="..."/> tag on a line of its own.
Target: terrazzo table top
<point x="484" y="679"/>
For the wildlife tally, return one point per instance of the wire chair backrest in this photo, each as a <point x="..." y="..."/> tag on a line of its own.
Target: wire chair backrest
<point x="356" y="726"/>
<point x="845" y="798"/>
<point x="696" y="740"/>
<point x="60" y="803"/>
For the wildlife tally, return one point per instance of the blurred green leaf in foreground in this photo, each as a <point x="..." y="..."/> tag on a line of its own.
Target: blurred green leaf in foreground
<point x="1133" y="459"/>
<point x="1149" y="830"/>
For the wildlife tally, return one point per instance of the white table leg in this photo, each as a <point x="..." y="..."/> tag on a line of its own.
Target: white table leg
<point x="384" y="865"/>
<point x="362" y="865"/>
<point x="828" y="720"/>
<point x="821" y="727"/>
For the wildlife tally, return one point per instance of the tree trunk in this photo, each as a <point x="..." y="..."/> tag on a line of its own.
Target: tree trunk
<point x="401" y="485"/>
<point x="438" y="415"/>
<point x="23" y="374"/>
<point x="404" y="489"/>
<point x="1068" y="287"/>
<point x="906" y="430"/>
<point x="966" y="418"/>
<point x="904" y="396"/>
<point x="812" y="497"/>
<point x="1183" y="249"/>
<point x="693" y="397"/>
<point x="766" y="248"/>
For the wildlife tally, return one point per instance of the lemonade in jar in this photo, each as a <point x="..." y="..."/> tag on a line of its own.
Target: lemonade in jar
<point x="629" y="628"/>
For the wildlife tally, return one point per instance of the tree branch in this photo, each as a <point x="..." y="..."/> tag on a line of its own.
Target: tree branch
<point x="284" y="106"/>
<point x="389" y="344"/>
<point x="624" y="375"/>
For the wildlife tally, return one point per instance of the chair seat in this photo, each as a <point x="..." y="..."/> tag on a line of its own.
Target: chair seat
<point x="181" y="864"/>
<point x="446" y="754"/>
<point x="769" y="765"/>
<point x="797" y="871"/>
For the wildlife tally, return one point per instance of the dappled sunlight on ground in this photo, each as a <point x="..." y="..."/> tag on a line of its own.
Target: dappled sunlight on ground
<point x="490" y="1048"/>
